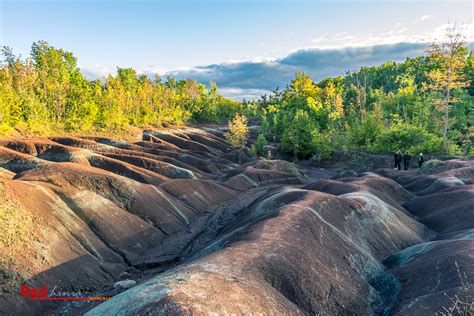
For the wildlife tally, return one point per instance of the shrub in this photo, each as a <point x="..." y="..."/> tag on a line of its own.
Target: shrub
<point x="238" y="132"/>
<point x="5" y="130"/>
<point x="81" y="117"/>
<point x="322" y="144"/>
<point x="362" y="134"/>
<point x="258" y="149"/>
<point x="431" y="166"/>
<point x="226" y="110"/>
<point x="289" y="168"/>
<point x="298" y="136"/>
<point x="407" y="137"/>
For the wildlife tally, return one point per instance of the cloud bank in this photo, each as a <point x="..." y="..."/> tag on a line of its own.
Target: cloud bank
<point x="331" y="56"/>
<point x="249" y="79"/>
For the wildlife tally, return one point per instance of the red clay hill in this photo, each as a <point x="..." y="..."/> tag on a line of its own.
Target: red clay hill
<point x="199" y="234"/>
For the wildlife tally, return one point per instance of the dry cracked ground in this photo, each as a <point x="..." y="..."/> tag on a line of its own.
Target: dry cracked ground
<point x="201" y="234"/>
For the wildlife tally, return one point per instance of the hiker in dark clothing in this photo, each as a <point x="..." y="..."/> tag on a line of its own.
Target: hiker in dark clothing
<point x="406" y="160"/>
<point x="398" y="160"/>
<point x="420" y="160"/>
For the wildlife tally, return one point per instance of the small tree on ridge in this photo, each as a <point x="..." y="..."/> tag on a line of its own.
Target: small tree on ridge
<point x="238" y="132"/>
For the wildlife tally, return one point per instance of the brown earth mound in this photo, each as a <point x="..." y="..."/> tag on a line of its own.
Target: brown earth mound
<point x="202" y="234"/>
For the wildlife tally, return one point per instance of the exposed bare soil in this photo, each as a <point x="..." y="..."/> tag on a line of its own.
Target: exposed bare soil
<point x="202" y="234"/>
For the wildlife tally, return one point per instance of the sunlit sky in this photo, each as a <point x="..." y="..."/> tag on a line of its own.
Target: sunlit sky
<point x="239" y="44"/>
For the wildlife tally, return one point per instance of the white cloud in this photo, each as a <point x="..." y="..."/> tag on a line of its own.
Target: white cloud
<point x="425" y="17"/>
<point x="98" y="71"/>
<point x="467" y="29"/>
<point x="398" y="34"/>
<point x="330" y="55"/>
<point x="240" y="94"/>
<point x="154" y="69"/>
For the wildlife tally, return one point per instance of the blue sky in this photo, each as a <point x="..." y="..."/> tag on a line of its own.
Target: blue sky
<point x="247" y="47"/>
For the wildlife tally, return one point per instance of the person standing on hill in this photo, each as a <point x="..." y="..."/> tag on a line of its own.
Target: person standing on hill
<point x="406" y="160"/>
<point x="398" y="160"/>
<point x="420" y="160"/>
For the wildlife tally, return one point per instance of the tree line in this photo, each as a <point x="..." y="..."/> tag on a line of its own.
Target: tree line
<point x="47" y="93"/>
<point x="424" y="104"/>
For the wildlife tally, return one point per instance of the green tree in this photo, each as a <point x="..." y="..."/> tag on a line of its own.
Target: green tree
<point x="238" y="132"/>
<point x="407" y="137"/>
<point x="258" y="149"/>
<point x="298" y="135"/>
<point x="450" y="54"/>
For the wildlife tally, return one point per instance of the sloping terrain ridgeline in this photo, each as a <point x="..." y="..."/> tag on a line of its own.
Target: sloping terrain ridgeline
<point x="202" y="234"/>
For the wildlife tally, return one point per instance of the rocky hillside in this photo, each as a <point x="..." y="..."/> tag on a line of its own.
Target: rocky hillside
<point x="198" y="233"/>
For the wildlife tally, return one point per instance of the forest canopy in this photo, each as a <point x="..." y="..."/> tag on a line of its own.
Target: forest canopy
<point x="47" y="93"/>
<point x="394" y="106"/>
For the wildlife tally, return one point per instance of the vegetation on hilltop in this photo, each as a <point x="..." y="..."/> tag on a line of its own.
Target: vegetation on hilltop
<point x="424" y="104"/>
<point x="48" y="93"/>
<point x="238" y="132"/>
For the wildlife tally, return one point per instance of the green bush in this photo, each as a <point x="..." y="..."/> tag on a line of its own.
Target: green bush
<point x="5" y="130"/>
<point x="431" y="166"/>
<point x="258" y="149"/>
<point x="363" y="134"/>
<point x="407" y="137"/>
<point x="81" y="117"/>
<point x="322" y="145"/>
<point x="298" y="136"/>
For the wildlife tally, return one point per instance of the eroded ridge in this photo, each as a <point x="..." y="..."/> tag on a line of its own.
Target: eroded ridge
<point x="202" y="234"/>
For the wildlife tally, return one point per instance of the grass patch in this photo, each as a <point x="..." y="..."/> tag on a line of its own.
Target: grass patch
<point x="16" y="232"/>
<point x="16" y="224"/>
<point x="290" y="168"/>
<point x="431" y="165"/>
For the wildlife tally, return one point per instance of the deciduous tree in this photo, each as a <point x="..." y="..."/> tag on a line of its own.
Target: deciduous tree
<point x="238" y="132"/>
<point x="450" y="54"/>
